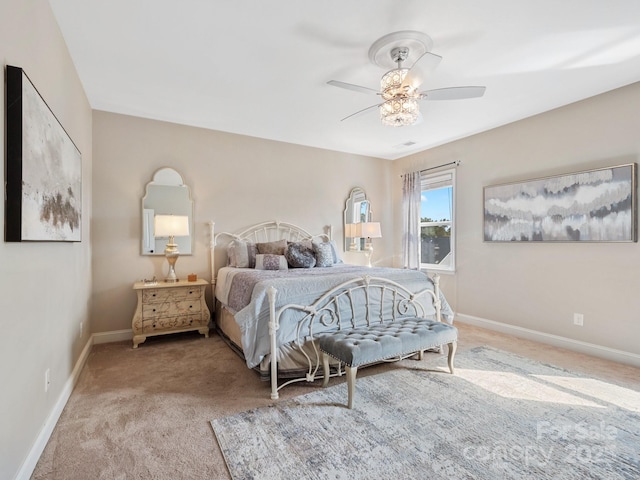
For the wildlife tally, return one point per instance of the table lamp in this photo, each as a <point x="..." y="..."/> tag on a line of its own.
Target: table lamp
<point x="368" y="230"/>
<point x="171" y="226"/>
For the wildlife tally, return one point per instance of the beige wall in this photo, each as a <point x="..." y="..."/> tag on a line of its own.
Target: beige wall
<point x="236" y="181"/>
<point x="45" y="287"/>
<point x="539" y="286"/>
<point x="49" y="288"/>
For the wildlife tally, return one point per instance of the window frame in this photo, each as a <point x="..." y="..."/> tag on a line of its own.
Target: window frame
<point x="432" y="179"/>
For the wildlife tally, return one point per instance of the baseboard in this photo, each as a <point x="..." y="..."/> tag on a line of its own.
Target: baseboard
<point x="112" y="336"/>
<point x="30" y="462"/>
<point x="607" y="353"/>
<point x="41" y="442"/>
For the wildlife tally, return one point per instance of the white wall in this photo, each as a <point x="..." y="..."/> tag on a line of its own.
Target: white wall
<point x="235" y="181"/>
<point x="45" y="287"/>
<point x="539" y="286"/>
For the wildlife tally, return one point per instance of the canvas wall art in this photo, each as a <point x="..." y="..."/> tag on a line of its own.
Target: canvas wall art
<point x="590" y="206"/>
<point x="43" y="200"/>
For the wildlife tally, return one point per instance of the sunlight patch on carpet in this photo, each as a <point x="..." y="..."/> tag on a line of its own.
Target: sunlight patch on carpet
<point x="605" y="392"/>
<point x="515" y="385"/>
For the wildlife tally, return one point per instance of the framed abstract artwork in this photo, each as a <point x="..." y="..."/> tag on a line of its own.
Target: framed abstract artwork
<point x="43" y="168"/>
<point x="590" y="206"/>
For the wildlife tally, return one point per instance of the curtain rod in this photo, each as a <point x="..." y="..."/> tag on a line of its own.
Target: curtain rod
<point x="456" y="163"/>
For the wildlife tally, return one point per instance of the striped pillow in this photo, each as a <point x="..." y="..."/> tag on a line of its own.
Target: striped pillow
<point x="242" y="254"/>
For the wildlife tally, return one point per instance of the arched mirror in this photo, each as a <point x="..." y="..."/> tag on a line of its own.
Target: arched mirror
<point x="166" y="194"/>
<point x="357" y="210"/>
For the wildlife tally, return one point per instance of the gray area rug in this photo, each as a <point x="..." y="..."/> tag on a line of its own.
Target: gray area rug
<point x="501" y="416"/>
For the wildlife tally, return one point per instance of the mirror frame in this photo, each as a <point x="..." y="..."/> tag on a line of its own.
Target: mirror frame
<point x="165" y="177"/>
<point x="357" y="196"/>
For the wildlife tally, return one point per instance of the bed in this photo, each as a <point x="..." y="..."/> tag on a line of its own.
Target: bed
<point x="246" y="265"/>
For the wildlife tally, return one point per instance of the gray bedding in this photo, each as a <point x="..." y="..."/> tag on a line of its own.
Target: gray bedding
<point x="244" y="292"/>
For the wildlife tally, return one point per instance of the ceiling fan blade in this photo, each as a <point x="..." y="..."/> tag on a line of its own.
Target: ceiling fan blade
<point x="351" y="86"/>
<point x="360" y="112"/>
<point x="453" y="93"/>
<point x="425" y="64"/>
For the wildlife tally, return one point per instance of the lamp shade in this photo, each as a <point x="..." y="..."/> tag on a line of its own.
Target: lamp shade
<point x="350" y="230"/>
<point x="171" y="226"/>
<point x="368" y="230"/>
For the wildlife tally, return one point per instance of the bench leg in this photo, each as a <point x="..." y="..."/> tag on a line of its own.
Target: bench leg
<point x="325" y="368"/>
<point x="351" y="384"/>
<point x="452" y="351"/>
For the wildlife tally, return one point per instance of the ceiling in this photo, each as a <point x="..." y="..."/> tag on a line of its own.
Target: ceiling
<point x="260" y="68"/>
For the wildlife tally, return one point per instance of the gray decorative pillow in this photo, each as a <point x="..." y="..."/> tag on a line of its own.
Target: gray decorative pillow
<point x="241" y="254"/>
<point x="307" y="243"/>
<point x="269" y="261"/>
<point x="300" y="255"/>
<point x="324" y="254"/>
<point x="272" y="248"/>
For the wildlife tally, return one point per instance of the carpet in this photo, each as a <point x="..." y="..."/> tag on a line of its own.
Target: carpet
<point x="500" y="416"/>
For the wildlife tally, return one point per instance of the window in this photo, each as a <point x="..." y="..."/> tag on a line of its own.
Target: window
<point x="437" y="225"/>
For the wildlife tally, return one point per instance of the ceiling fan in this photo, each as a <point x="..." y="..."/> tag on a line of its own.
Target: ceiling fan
<point x="399" y="87"/>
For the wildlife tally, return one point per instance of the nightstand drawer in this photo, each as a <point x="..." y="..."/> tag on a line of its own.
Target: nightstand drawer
<point x="180" y="307"/>
<point x="170" y="323"/>
<point x="174" y="294"/>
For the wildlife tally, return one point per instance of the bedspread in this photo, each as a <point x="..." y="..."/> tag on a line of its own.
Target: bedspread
<point x="244" y="292"/>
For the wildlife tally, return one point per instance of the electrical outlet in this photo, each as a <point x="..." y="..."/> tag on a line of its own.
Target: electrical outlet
<point x="47" y="380"/>
<point x="578" y="319"/>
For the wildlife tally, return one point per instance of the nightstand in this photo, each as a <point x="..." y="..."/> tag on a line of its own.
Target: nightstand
<point x="169" y="308"/>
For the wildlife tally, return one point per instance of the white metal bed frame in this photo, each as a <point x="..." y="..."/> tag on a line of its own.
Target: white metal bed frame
<point x="276" y="230"/>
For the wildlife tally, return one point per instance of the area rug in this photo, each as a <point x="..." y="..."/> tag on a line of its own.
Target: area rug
<point x="500" y="416"/>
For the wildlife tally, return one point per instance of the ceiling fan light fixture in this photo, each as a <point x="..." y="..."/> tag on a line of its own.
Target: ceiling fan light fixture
<point x="391" y="83"/>
<point x="400" y="107"/>
<point x="399" y="112"/>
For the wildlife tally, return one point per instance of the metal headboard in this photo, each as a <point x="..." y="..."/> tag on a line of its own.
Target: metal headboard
<point x="261" y="232"/>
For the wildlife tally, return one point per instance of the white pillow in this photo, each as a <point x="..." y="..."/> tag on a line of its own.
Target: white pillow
<point x="241" y="254"/>
<point x="336" y="254"/>
<point x="268" y="261"/>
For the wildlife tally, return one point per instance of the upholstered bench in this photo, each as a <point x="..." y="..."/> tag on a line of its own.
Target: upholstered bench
<point x="398" y="339"/>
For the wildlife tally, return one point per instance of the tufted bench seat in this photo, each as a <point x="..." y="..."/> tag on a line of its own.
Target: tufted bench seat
<point x="361" y="346"/>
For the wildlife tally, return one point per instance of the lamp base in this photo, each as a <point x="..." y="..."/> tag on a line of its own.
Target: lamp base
<point x="172" y="254"/>
<point x="368" y="248"/>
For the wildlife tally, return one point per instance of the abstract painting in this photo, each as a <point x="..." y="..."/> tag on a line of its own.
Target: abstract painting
<point x="590" y="206"/>
<point x="43" y="200"/>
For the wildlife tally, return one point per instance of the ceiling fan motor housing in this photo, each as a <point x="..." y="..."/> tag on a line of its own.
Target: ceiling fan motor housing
<point x="399" y="54"/>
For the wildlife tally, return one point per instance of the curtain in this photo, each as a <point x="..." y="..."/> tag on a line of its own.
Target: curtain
<point x="411" y="192"/>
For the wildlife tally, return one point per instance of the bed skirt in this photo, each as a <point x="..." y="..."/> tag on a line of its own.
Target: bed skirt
<point x="292" y="362"/>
